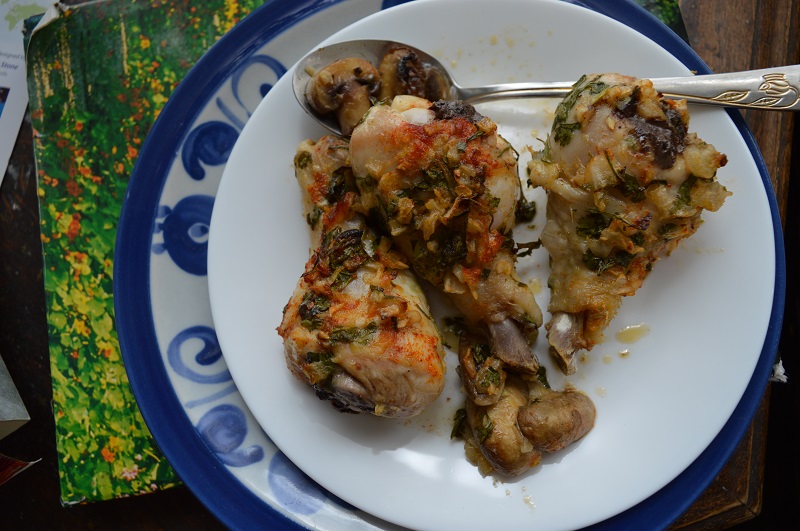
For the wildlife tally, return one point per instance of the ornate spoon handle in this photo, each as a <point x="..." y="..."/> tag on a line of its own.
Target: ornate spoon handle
<point x="776" y="89"/>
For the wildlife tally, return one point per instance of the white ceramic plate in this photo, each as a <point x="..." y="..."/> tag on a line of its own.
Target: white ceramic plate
<point x="708" y="306"/>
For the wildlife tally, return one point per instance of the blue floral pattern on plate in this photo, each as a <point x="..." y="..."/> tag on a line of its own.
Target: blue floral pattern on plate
<point x="170" y="349"/>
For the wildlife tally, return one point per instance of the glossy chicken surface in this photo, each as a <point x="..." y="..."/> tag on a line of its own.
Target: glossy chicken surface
<point x="357" y="328"/>
<point x="626" y="182"/>
<point x="445" y="186"/>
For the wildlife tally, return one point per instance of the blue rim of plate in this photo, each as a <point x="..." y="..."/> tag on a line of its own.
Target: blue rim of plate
<point x="222" y="493"/>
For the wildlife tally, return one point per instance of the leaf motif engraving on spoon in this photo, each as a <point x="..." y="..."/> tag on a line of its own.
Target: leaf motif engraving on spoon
<point x="775" y="87"/>
<point x="732" y="95"/>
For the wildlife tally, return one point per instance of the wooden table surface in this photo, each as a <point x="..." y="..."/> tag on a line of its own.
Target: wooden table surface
<point x="758" y="489"/>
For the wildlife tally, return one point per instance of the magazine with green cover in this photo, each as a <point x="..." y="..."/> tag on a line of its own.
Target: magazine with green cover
<point x="98" y="75"/>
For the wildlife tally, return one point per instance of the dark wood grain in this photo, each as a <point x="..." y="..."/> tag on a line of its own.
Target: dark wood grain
<point x="758" y="489"/>
<point x="731" y="35"/>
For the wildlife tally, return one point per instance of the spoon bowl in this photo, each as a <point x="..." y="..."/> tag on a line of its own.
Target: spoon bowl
<point x="370" y="50"/>
<point x="775" y="88"/>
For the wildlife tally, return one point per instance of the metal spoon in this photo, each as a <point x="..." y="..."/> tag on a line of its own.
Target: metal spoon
<point x="767" y="89"/>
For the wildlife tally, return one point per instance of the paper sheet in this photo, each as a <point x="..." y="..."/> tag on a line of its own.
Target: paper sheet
<point x="13" y="80"/>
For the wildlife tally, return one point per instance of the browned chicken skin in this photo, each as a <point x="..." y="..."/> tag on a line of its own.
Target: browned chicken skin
<point x="445" y="186"/>
<point x="626" y="182"/>
<point x="440" y="180"/>
<point x="357" y="328"/>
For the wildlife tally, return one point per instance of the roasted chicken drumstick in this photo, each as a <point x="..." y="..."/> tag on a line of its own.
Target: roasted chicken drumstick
<point x="625" y="181"/>
<point x="445" y="186"/>
<point x="357" y="328"/>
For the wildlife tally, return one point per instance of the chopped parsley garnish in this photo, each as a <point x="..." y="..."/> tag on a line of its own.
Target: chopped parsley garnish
<point x="667" y="229"/>
<point x="361" y="336"/>
<point x="321" y="357"/>
<point x="450" y="248"/>
<point x="302" y="160"/>
<point x="684" y="198"/>
<point x="562" y="130"/>
<point x="462" y="146"/>
<point x="541" y="376"/>
<point x="343" y="278"/>
<point x="337" y="186"/>
<point x="525" y="210"/>
<point x="600" y="265"/>
<point x="312" y="308"/>
<point x="593" y="223"/>
<point x="312" y="218"/>
<point x="485" y="429"/>
<point x="459" y="424"/>
<point x="480" y="353"/>
<point x="491" y="377"/>
<point x="345" y="249"/>
<point x="629" y="184"/>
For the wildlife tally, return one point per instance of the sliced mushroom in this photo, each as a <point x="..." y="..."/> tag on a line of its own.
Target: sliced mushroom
<point x="481" y="373"/>
<point x="495" y="430"/>
<point x="344" y="87"/>
<point x="402" y="72"/>
<point x="553" y="420"/>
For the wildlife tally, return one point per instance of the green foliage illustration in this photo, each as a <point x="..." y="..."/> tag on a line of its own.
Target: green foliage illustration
<point x="98" y="77"/>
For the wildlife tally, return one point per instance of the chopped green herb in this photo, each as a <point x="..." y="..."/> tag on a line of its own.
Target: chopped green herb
<point x="302" y="160"/>
<point x="312" y="218"/>
<point x="455" y="325"/>
<point x="491" y="377"/>
<point x="480" y="353"/>
<point x="600" y="265"/>
<point x="525" y="210"/>
<point x="667" y="229"/>
<point x="312" y="308"/>
<point x="337" y="185"/>
<point x="450" y="248"/>
<point x="541" y="376"/>
<point x="345" y="249"/>
<point x="684" y="198"/>
<point x="320" y="357"/>
<point x="476" y="134"/>
<point x="562" y="131"/>
<point x="459" y="424"/>
<point x="544" y="154"/>
<point x="629" y="185"/>
<point x="343" y="278"/>
<point x="593" y="223"/>
<point x="485" y="429"/>
<point x="361" y="336"/>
